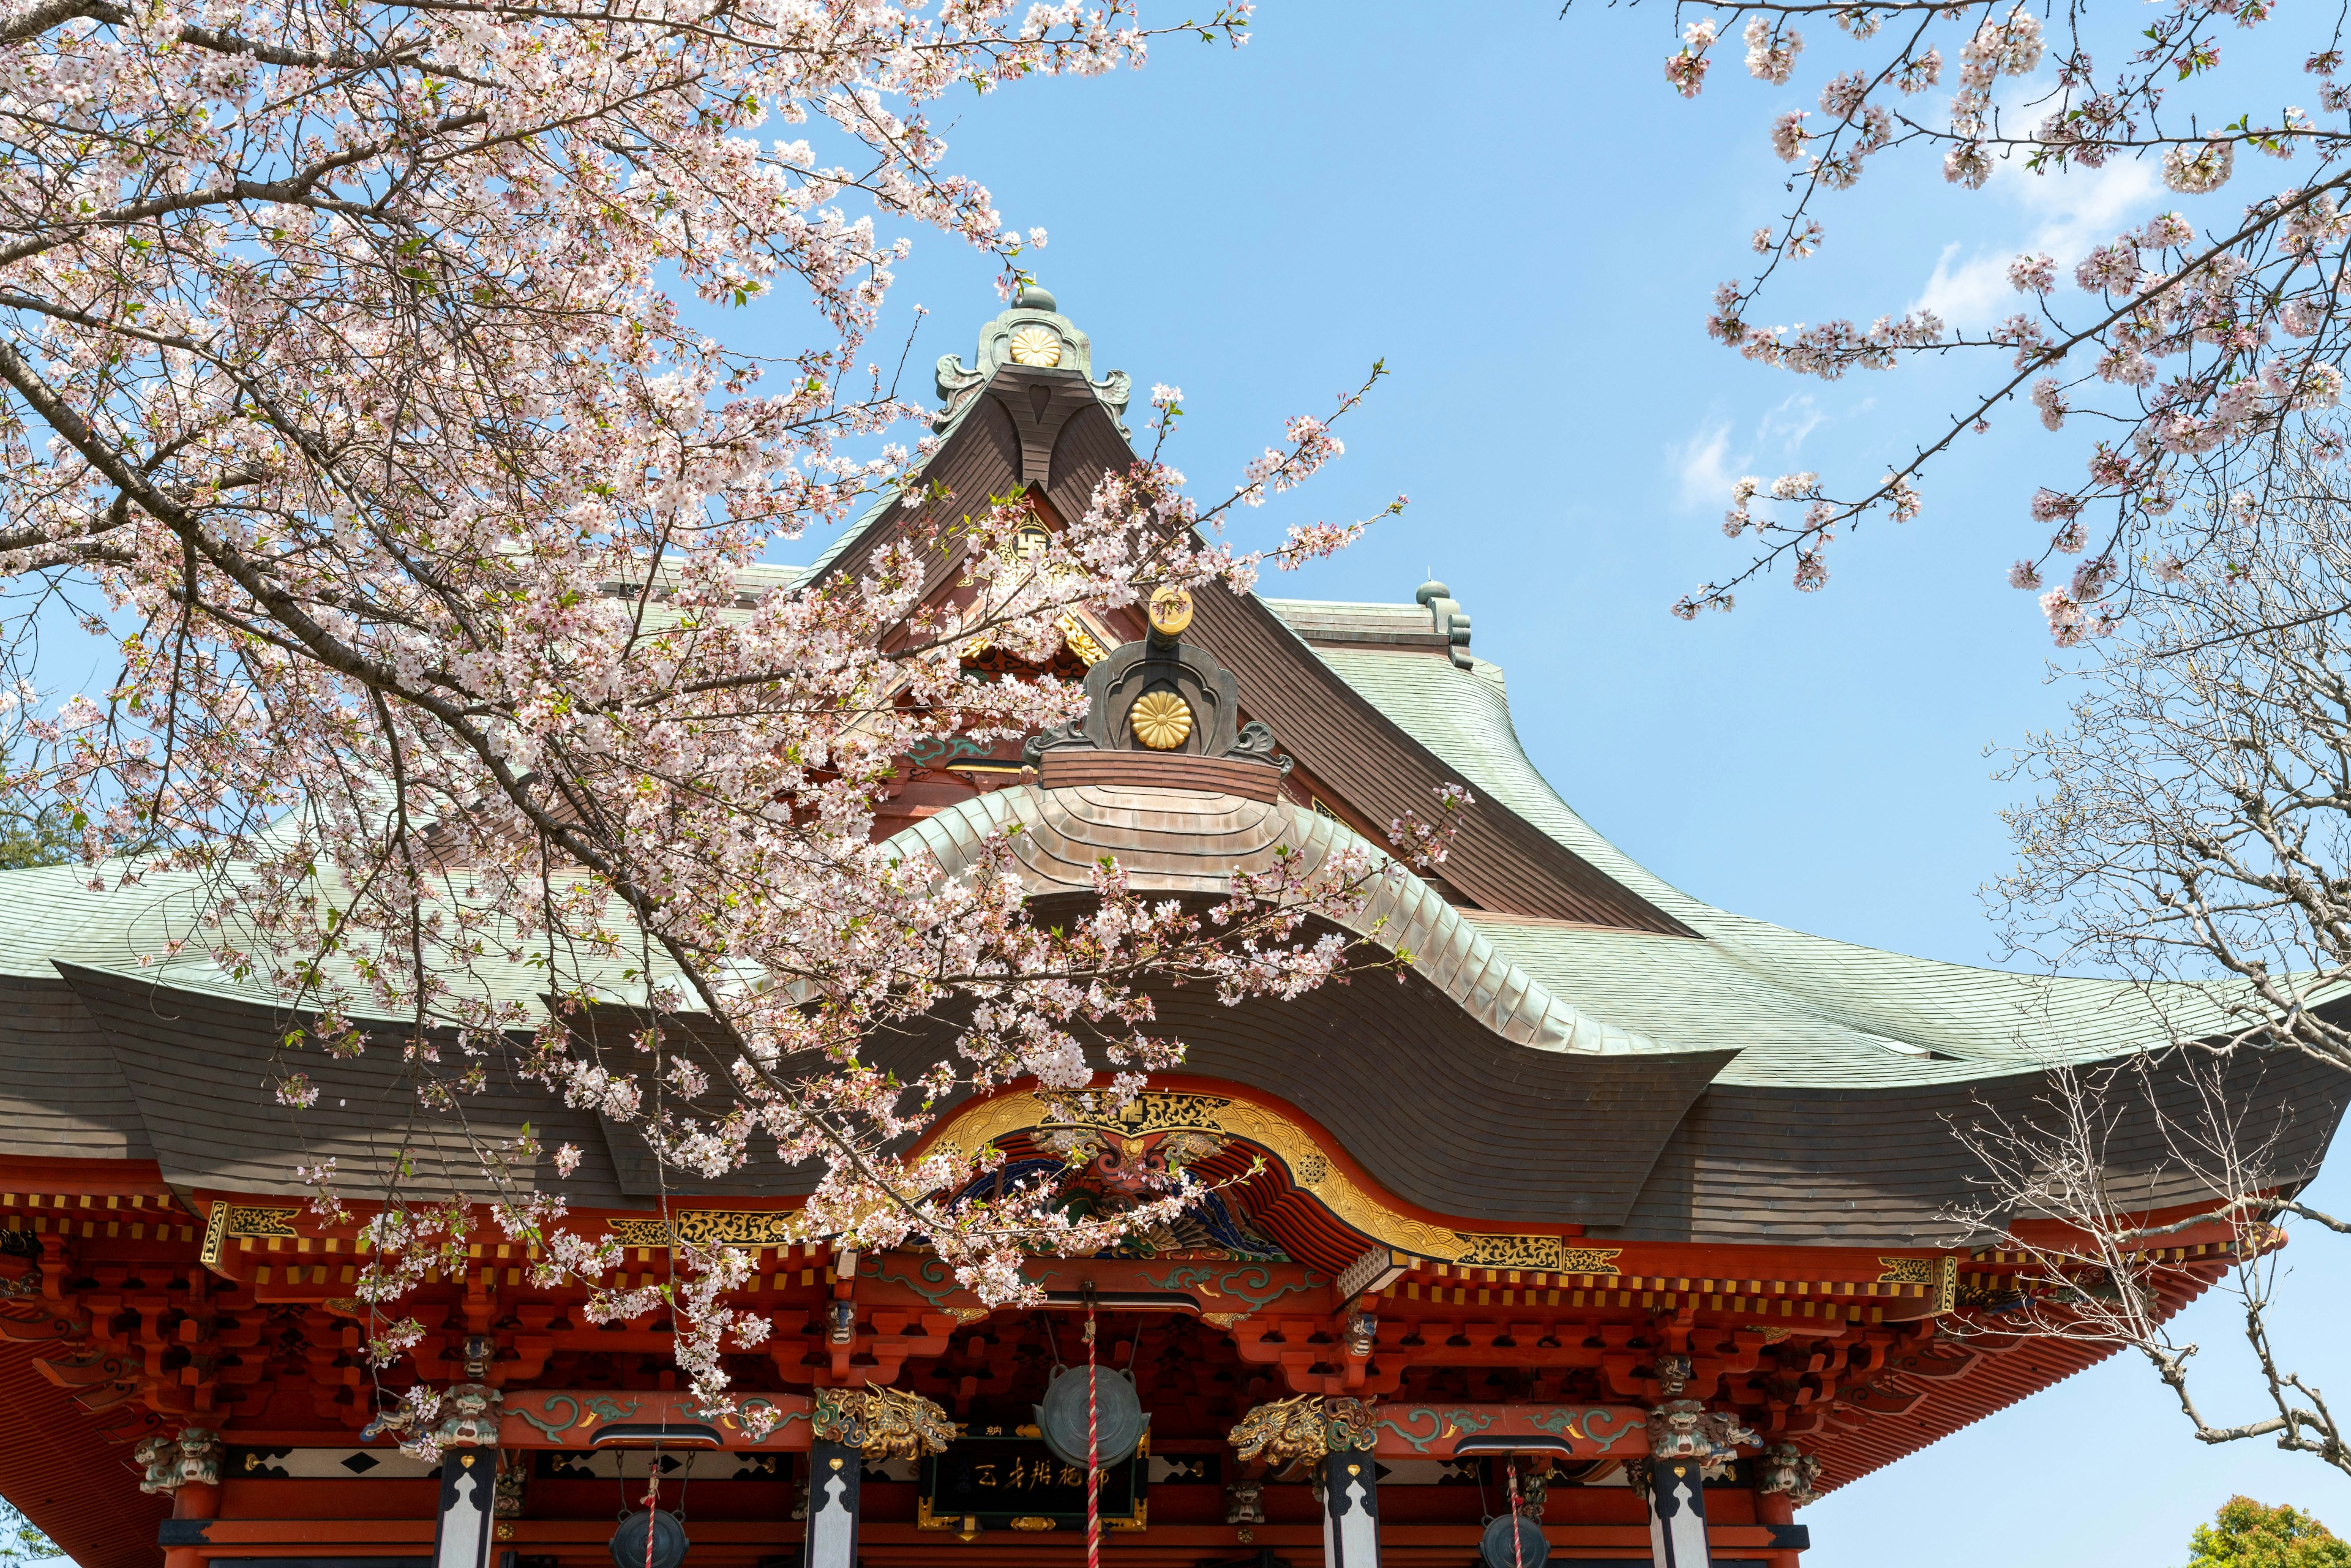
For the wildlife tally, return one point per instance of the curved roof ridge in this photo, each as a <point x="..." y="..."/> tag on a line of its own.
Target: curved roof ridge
<point x="1150" y="832"/>
<point x="1845" y="1010"/>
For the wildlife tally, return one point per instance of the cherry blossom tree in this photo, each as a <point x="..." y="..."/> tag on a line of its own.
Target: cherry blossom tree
<point x="360" y="385"/>
<point x="2188" y="820"/>
<point x="2054" y="1195"/>
<point x="2193" y="344"/>
<point x="2189" y="827"/>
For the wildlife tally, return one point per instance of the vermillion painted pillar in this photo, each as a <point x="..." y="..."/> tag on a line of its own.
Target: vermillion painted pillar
<point x="1784" y="1477"/>
<point x="469" y="1478"/>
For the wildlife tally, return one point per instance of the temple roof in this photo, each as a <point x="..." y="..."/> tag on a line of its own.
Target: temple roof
<point x="1717" y="1077"/>
<point x="1800" y="1008"/>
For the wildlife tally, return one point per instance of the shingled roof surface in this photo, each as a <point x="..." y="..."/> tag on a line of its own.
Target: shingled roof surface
<point x="1802" y="1010"/>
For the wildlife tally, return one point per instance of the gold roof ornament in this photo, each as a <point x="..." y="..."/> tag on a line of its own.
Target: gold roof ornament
<point x="1162" y="720"/>
<point x="1171" y="611"/>
<point x="1036" y="345"/>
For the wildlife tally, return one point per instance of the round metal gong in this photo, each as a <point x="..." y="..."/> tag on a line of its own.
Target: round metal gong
<point x="1119" y="1418"/>
<point x="1531" y="1550"/>
<point x="669" y="1542"/>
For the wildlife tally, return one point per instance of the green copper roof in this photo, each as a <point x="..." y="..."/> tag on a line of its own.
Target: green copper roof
<point x="1800" y="1009"/>
<point x="1803" y="1009"/>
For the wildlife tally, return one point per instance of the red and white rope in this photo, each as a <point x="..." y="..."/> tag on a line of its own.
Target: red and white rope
<point x="1517" y="1546"/>
<point x="1093" y="1453"/>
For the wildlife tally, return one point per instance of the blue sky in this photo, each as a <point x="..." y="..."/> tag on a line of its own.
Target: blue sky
<point x="1514" y="211"/>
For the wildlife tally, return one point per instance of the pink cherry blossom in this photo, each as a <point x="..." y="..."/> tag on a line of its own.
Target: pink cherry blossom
<point x="352" y="373"/>
<point x="2175" y="342"/>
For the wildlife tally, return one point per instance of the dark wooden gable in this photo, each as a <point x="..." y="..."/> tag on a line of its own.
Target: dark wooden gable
<point x="1046" y="430"/>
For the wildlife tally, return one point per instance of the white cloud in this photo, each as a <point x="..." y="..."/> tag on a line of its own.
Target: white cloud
<point x="1698" y="461"/>
<point x="1704" y="465"/>
<point x="1786" y="426"/>
<point x="1971" y="293"/>
<point x="2064" y="214"/>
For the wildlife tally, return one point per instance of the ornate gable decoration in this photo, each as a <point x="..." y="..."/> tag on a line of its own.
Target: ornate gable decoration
<point x="1035" y="335"/>
<point x="1157" y="703"/>
<point x="1066" y="1122"/>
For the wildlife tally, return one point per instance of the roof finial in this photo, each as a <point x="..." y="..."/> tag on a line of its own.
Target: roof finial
<point x="1034" y="335"/>
<point x="1448" y="619"/>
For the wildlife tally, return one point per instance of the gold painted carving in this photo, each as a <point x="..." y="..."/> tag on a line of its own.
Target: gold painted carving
<point x="229" y="1219"/>
<point x="1037" y="345"/>
<point x="1904" y="1271"/>
<point x="1943" y="1290"/>
<point x="1546" y="1254"/>
<point x="1513" y="1252"/>
<point x="1303" y="1428"/>
<point x="1081" y="641"/>
<point x="1170" y="610"/>
<point x="1156" y="1111"/>
<point x="711" y="1228"/>
<point x="881" y="1423"/>
<point x="1162" y="720"/>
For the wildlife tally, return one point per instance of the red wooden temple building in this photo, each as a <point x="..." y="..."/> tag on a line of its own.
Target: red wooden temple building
<point x="1614" y="1234"/>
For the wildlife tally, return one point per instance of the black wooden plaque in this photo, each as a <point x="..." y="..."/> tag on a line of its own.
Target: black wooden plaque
<point x="1005" y="1478"/>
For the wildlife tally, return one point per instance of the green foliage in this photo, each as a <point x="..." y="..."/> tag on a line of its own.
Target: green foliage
<point x="45" y="839"/>
<point x="2246" y="1535"/>
<point x="21" y="1542"/>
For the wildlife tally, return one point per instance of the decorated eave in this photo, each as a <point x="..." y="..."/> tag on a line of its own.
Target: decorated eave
<point x="1601" y="1147"/>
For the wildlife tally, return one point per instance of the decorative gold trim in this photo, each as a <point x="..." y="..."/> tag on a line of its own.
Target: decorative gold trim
<point x="1170" y="610"/>
<point x="1905" y="1271"/>
<point x="1538" y="1252"/>
<point x="1154" y="1110"/>
<point x="1032" y="1521"/>
<point x="1161" y="720"/>
<point x="229" y="1219"/>
<point x="1943" y="1290"/>
<point x="712" y="1228"/>
<point x="1082" y="642"/>
<point x="1036" y="344"/>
